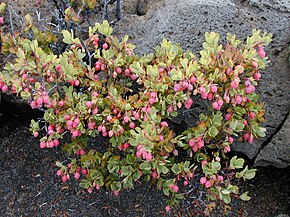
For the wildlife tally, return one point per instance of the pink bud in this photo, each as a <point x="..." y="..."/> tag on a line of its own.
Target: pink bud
<point x="252" y="115"/>
<point x="148" y="157"/>
<point x="191" y="142"/>
<point x="118" y="70"/>
<point x="185" y="183"/>
<point x="170" y="109"/>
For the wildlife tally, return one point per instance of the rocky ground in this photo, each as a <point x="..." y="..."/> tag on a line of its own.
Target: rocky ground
<point x="29" y="185"/>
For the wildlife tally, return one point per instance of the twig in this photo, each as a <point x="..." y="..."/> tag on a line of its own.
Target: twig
<point x="119" y="9"/>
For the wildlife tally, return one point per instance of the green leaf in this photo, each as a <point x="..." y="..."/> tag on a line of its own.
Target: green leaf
<point x="67" y="37"/>
<point x="237" y="163"/>
<point x="213" y="131"/>
<point x="244" y="196"/>
<point x="2" y="7"/>
<point x="145" y="166"/>
<point x="104" y="28"/>
<point x="226" y="198"/>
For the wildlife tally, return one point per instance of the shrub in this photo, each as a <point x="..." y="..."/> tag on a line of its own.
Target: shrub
<point x="98" y="88"/>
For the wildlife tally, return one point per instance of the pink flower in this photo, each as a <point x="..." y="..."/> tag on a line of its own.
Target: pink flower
<point x="111" y="133"/>
<point x="77" y="175"/>
<point x="167" y="208"/>
<point x="132" y="125"/>
<point x="64" y="178"/>
<point x="257" y="76"/>
<point x="193" y="79"/>
<point x="177" y="87"/>
<point x="230" y="140"/>
<point x="238" y="99"/>
<point x="208" y="184"/>
<point x="164" y="124"/>
<point x="188" y="103"/>
<point x="252" y="115"/>
<point x="213" y="89"/>
<point x="261" y="52"/>
<point x="89" y="104"/>
<point x="90" y="190"/>
<point x="220" y="178"/>
<point x="215" y="105"/>
<point x="1" y="20"/>
<point x="59" y="173"/>
<point x="227" y="149"/>
<point x="228" y="116"/>
<point x="202" y="180"/>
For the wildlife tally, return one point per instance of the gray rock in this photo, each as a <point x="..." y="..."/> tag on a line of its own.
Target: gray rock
<point x="277" y="152"/>
<point x="186" y="21"/>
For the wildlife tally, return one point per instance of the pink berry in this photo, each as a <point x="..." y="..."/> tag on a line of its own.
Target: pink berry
<point x="64" y="178"/>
